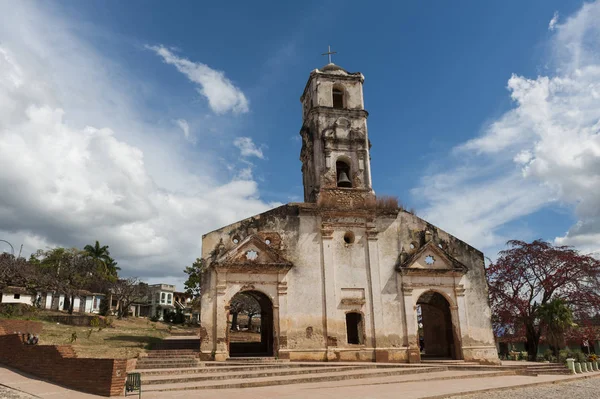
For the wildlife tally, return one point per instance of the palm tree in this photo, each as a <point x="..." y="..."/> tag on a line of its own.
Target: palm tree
<point x="557" y="317"/>
<point x="101" y="255"/>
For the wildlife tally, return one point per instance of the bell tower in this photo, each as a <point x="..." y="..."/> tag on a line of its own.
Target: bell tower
<point x="335" y="144"/>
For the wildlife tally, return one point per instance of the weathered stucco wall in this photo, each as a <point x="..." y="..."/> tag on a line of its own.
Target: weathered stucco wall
<point x="330" y="277"/>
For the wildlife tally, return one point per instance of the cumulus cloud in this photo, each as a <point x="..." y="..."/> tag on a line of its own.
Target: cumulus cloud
<point x="553" y="21"/>
<point x="248" y="148"/>
<point x="222" y="95"/>
<point x="80" y="161"/>
<point x="544" y="150"/>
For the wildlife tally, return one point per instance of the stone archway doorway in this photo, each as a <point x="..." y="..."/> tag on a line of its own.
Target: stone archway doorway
<point x="437" y="338"/>
<point x="250" y="331"/>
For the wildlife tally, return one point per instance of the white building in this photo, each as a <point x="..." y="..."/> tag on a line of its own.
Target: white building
<point x="16" y="295"/>
<point x="161" y="299"/>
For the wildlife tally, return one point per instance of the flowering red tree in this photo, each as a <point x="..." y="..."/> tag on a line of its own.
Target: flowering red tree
<point x="527" y="276"/>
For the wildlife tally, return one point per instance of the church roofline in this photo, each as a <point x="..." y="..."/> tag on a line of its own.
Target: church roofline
<point x="296" y="208"/>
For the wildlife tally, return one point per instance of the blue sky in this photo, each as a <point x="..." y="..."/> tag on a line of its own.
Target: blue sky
<point x="180" y="118"/>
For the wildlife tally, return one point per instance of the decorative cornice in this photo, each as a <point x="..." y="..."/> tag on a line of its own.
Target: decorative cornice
<point x="355" y="113"/>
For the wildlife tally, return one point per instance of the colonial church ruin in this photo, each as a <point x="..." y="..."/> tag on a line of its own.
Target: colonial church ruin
<point x="344" y="275"/>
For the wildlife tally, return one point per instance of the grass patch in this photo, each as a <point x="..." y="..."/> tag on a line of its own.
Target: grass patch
<point x="126" y="339"/>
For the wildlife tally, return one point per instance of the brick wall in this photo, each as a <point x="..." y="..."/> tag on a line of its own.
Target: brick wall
<point x="59" y="364"/>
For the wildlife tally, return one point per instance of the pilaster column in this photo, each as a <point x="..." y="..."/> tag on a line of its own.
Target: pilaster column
<point x="375" y="284"/>
<point x="222" y="320"/>
<point x="329" y="289"/>
<point x="462" y="324"/>
<point x="412" y="329"/>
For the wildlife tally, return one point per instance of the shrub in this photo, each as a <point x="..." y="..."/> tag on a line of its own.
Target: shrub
<point x="104" y="307"/>
<point x="95" y="322"/>
<point x="580" y="356"/>
<point x="108" y="321"/>
<point x="548" y="354"/>
<point x="565" y="354"/>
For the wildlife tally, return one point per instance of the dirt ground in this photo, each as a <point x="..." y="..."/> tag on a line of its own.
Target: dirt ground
<point x="125" y="339"/>
<point x="244" y="336"/>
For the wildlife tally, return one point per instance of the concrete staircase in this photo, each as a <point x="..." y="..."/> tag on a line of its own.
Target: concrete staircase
<point x="163" y="359"/>
<point x="525" y="369"/>
<point x="235" y="374"/>
<point x="548" y="368"/>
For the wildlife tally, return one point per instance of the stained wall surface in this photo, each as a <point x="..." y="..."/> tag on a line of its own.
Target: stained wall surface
<point x="328" y="276"/>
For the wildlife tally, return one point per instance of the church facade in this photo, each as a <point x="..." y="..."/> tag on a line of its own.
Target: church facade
<point x="344" y="275"/>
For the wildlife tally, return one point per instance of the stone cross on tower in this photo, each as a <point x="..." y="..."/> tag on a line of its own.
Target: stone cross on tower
<point x="329" y="52"/>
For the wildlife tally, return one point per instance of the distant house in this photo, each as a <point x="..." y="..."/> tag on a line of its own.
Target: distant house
<point x="158" y="302"/>
<point x="16" y="295"/>
<point x="84" y="301"/>
<point x="184" y="301"/>
<point x="161" y="299"/>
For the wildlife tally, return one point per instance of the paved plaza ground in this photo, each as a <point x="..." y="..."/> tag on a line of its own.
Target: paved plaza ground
<point x="16" y="385"/>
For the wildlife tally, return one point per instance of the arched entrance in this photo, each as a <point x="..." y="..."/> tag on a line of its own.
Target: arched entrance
<point x="437" y="338"/>
<point x="250" y="325"/>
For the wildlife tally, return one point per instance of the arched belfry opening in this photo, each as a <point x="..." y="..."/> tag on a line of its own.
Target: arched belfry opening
<point x="250" y="325"/>
<point x="437" y="338"/>
<point x="338" y="97"/>
<point x="343" y="174"/>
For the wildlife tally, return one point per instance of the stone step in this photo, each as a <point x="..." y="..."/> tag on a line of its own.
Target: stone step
<point x="241" y="374"/>
<point x="173" y="352"/>
<point x="204" y="368"/>
<point x="170" y="356"/>
<point x="546" y="368"/>
<point x="451" y="362"/>
<point x="170" y="365"/>
<point x="256" y="360"/>
<point x="557" y="371"/>
<point x="166" y="359"/>
<point x="292" y="379"/>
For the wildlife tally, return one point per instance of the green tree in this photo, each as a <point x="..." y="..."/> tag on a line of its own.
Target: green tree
<point x="193" y="284"/>
<point x="66" y="271"/>
<point x="557" y="318"/>
<point x="101" y="255"/>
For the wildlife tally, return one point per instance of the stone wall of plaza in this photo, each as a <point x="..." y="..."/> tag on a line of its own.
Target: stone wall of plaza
<point x="59" y="363"/>
<point x="366" y="261"/>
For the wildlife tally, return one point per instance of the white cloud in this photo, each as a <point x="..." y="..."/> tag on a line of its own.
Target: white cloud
<point x="546" y="149"/>
<point x="248" y="148"/>
<point x="222" y="95"/>
<point x="553" y="21"/>
<point x="185" y="128"/>
<point x="81" y="160"/>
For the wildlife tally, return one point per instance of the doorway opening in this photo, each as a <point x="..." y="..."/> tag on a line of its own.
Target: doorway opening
<point x="436" y="336"/>
<point x="250" y="325"/>
<point x="354" y="328"/>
